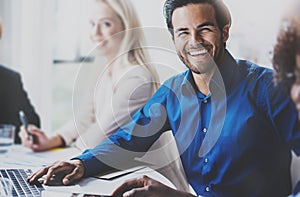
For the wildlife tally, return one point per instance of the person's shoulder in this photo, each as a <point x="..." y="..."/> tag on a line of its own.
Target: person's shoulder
<point x="172" y="84"/>
<point x="136" y="71"/>
<point x="7" y="72"/>
<point x="260" y="77"/>
<point x="253" y="70"/>
<point x="176" y="79"/>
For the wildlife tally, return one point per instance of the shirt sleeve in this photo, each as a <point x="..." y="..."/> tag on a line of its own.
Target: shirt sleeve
<point x="281" y="110"/>
<point x="131" y="140"/>
<point x="32" y="116"/>
<point x="22" y="102"/>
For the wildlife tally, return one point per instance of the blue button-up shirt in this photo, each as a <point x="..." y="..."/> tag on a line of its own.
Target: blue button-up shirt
<point x="235" y="141"/>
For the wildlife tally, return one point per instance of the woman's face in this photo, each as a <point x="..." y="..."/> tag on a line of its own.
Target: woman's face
<point x="295" y="91"/>
<point x="105" y="26"/>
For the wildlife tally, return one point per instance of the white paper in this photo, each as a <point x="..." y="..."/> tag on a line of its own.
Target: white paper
<point x="119" y="173"/>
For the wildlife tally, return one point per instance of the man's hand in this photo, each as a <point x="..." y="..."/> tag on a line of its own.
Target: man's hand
<point x="147" y="187"/>
<point x="73" y="169"/>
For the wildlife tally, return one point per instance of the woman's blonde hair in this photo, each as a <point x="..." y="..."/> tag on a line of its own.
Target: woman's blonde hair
<point x="132" y="48"/>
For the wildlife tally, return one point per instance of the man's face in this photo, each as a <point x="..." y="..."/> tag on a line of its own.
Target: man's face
<point x="197" y="38"/>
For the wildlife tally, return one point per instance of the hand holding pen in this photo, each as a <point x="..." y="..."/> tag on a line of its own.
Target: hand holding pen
<point x="34" y="138"/>
<point x="25" y="124"/>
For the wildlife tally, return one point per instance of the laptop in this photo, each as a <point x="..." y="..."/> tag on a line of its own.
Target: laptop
<point x="22" y="188"/>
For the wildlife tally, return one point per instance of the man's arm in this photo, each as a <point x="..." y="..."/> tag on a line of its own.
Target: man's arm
<point x="20" y="101"/>
<point x="25" y="103"/>
<point x="119" y="150"/>
<point x="131" y="140"/>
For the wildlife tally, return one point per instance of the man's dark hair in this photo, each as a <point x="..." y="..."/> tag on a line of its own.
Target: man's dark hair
<point x="223" y="16"/>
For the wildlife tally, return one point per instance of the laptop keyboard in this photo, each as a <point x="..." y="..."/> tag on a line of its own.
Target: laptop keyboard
<point x="20" y="185"/>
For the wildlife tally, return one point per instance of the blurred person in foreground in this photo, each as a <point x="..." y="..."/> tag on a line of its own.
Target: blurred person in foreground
<point x="286" y="54"/>
<point x="286" y="57"/>
<point x="14" y="98"/>
<point x="233" y="127"/>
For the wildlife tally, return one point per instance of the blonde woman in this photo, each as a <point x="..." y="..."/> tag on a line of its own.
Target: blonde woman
<point x="126" y="83"/>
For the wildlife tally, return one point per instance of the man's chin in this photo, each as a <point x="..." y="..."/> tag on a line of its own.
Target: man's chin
<point x="195" y="71"/>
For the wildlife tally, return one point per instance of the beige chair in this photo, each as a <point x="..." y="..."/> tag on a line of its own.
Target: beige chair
<point x="295" y="169"/>
<point x="164" y="157"/>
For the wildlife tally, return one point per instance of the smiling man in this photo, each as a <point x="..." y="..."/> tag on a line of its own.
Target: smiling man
<point x="199" y="41"/>
<point x="234" y="129"/>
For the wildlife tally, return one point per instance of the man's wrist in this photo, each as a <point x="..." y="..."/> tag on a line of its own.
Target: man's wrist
<point x="80" y="164"/>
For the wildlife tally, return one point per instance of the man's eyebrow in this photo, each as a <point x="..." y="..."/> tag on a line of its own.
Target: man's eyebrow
<point x="198" y="27"/>
<point x="206" y="24"/>
<point x="181" y="29"/>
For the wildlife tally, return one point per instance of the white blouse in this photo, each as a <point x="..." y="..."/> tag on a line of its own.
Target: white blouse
<point x="114" y="99"/>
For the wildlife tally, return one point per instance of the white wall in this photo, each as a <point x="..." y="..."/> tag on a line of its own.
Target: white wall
<point x="29" y="36"/>
<point x="26" y="47"/>
<point x="28" y="39"/>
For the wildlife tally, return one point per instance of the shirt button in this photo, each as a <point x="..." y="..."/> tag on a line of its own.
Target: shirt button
<point x="204" y="130"/>
<point x="207" y="189"/>
<point x="206" y="160"/>
<point x="205" y="101"/>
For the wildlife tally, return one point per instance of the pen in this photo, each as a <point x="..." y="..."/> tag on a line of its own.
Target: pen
<point x="25" y="124"/>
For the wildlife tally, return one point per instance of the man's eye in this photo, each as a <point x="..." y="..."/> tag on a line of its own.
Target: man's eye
<point x="204" y="30"/>
<point x="182" y="33"/>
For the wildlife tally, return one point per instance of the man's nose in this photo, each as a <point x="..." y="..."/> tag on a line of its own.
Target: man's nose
<point x="195" y="40"/>
<point x="196" y="37"/>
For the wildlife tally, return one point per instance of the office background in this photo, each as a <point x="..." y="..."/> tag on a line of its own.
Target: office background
<point x="46" y="40"/>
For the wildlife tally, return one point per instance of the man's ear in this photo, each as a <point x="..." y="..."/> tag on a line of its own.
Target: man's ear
<point x="225" y="33"/>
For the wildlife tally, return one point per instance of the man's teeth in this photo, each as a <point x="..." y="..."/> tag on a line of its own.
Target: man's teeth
<point x="200" y="52"/>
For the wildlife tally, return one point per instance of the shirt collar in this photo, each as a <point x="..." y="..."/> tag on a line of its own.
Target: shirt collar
<point x="223" y="77"/>
<point x="188" y="83"/>
<point x="221" y="80"/>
